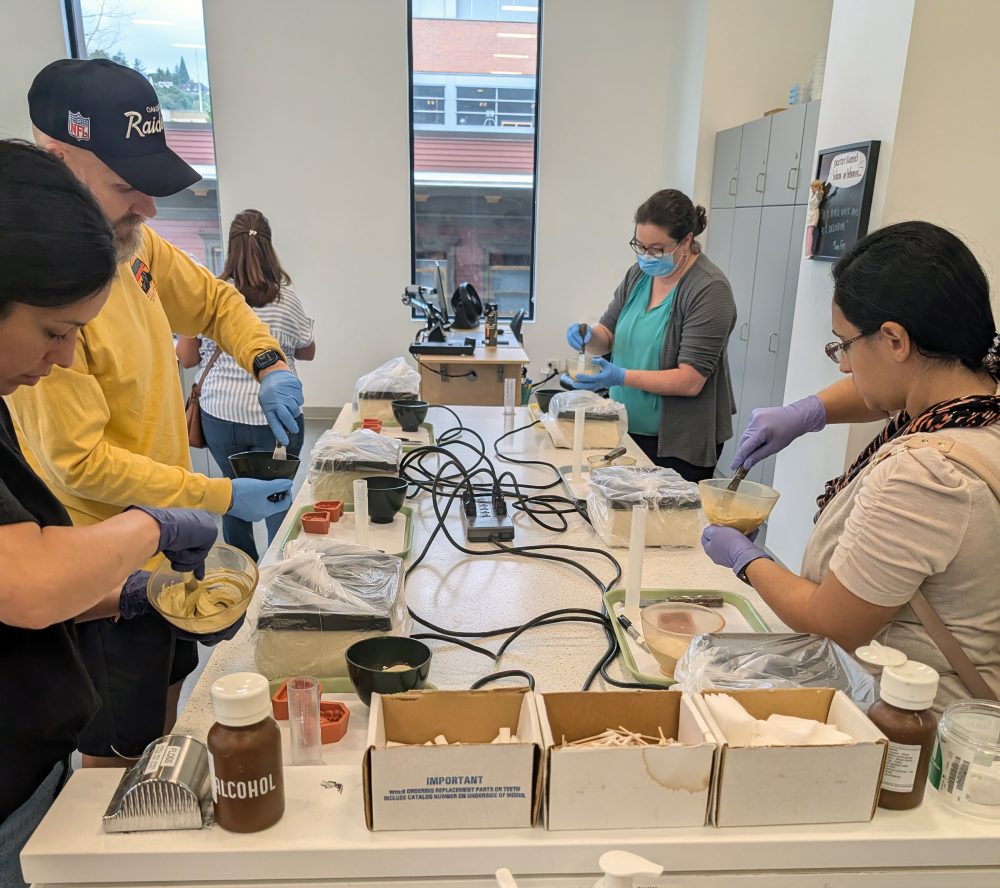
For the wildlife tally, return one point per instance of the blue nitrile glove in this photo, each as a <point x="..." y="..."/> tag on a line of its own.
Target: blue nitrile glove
<point x="252" y="498"/>
<point x="573" y="337"/>
<point x="186" y="535"/>
<point x="281" y="400"/>
<point x="134" y="602"/>
<point x="773" y="428"/>
<point x="609" y="375"/>
<point x="727" y="547"/>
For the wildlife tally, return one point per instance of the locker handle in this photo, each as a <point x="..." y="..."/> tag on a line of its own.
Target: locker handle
<point x="758" y="185"/>
<point x="744" y="331"/>
<point x="732" y="187"/>
<point x="772" y="343"/>
<point x="793" y="179"/>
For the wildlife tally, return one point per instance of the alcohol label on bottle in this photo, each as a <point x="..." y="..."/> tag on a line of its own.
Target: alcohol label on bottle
<point x="900" y="767"/>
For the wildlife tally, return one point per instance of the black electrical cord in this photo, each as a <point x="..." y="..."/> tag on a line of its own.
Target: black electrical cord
<point x="506" y="673"/>
<point x="542" y="382"/>
<point x="470" y="373"/>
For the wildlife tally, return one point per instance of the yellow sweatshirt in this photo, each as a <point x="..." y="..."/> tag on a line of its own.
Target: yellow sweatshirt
<point x="110" y="431"/>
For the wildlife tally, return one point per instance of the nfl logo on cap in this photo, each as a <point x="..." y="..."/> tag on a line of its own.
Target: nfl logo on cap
<point x="79" y="126"/>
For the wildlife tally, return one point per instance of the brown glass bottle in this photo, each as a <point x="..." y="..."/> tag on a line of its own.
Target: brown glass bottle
<point x="244" y="746"/>
<point x="904" y="715"/>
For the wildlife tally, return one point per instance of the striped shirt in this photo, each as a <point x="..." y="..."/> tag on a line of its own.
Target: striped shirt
<point x="230" y="393"/>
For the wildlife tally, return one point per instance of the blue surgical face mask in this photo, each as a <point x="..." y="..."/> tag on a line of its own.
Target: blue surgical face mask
<point x="662" y="267"/>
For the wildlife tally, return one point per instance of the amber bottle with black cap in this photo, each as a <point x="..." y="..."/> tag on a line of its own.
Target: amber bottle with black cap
<point x="903" y="713"/>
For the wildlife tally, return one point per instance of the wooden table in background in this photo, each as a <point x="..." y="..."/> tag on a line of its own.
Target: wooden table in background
<point x="442" y="380"/>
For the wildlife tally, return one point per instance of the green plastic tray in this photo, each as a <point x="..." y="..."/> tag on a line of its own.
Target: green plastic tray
<point x="406" y="511"/>
<point x="743" y="605"/>
<point x="431" y="440"/>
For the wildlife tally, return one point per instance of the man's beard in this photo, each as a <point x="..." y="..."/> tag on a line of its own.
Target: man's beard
<point x="128" y="236"/>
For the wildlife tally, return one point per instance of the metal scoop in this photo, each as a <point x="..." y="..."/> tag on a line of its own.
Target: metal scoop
<point x="741" y="473"/>
<point x="279" y="451"/>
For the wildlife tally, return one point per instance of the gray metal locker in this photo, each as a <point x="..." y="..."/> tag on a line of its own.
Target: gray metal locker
<point x="783" y="156"/>
<point x="719" y="242"/>
<point x="725" y="167"/>
<point x="753" y="163"/>
<point x="808" y="163"/>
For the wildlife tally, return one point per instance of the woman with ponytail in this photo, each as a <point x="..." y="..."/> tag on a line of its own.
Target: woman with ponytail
<point x="232" y="419"/>
<point x="666" y="330"/>
<point x="912" y="526"/>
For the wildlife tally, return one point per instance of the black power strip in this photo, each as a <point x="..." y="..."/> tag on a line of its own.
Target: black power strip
<point x="485" y="518"/>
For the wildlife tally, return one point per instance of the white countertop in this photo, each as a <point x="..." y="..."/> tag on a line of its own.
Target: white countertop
<point x="323" y="835"/>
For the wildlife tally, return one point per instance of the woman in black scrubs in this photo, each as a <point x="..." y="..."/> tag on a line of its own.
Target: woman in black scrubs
<point x="57" y="258"/>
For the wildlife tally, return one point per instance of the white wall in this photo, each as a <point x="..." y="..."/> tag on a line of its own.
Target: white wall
<point x="754" y="52"/>
<point x="866" y="59"/>
<point x="318" y="141"/>
<point x="617" y="121"/>
<point x="31" y="35"/>
<point x="949" y="127"/>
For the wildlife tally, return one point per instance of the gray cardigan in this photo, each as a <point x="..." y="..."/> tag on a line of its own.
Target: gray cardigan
<point x="703" y="316"/>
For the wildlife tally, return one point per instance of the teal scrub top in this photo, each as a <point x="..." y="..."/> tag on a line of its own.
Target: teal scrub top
<point x="637" y="346"/>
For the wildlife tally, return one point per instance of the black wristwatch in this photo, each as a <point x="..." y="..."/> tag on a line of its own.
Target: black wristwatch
<point x="266" y="359"/>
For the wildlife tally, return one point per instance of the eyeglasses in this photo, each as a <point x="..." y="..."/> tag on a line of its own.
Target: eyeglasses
<point x="835" y="351"/>
<point x="641" y="249"/>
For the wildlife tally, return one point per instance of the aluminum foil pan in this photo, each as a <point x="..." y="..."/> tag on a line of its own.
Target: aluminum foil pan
<point x="168" y="788"/>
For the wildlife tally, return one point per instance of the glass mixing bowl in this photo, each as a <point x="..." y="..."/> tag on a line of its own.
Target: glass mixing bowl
<point x="745" y="508"/>
<point x="221" y="599"/>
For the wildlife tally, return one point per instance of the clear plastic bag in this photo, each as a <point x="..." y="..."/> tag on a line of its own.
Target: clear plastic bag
<point x="740" y="661"/>
<point x="674" y="517"/>
<point x="374" y="392"/>
<point x="336" y="462"/>
<point x="605" y="421"/>
<point x="315" y="606"/>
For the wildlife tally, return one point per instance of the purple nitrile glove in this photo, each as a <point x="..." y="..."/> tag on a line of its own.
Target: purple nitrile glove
<point x="186" y="535"/>
<point x="727" y="547"/>
<point x="608" y="375"/>
<point x="133" y="602"/>
<point x="773" y="428"/>
<point x="575" y="340"/>
<point x="281" y="400"/>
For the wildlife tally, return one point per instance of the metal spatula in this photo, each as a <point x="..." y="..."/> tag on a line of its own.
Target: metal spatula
<point x="741" y="473"/>
<point x="279" y="451"/>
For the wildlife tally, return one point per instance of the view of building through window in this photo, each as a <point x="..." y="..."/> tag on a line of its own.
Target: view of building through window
<point x="475" y="66"/>
<point x="165" y="41"/>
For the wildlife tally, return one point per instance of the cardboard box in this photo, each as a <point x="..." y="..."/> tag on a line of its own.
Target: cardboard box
<point x="771" y="785"/>
<point x="625" y="787"/>
<point x="474" y="785"/>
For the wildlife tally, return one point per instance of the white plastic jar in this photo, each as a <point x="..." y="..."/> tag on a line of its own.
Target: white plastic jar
<point x="965" y="765"/>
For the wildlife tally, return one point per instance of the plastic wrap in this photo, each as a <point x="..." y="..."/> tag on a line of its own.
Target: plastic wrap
<point x="313" y="607"/>
<point x="674" y="517"/>
<point x="741" y="661"/>
<point x="605" y="421"/>
<point x="336" y="462"/>
<point x="374" y="392"/>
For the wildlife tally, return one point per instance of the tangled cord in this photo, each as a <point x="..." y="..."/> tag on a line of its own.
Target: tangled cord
<point x="450" y="480"/>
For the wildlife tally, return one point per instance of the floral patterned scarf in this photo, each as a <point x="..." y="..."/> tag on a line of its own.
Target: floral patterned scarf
<point x="972" y="412"/>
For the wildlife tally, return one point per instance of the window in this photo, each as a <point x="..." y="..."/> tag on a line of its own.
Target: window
<point x="473" y="113"/>
<point x="165" y="41"/>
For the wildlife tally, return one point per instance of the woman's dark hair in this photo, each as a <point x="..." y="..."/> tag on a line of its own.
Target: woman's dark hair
<point x="56" y="246"/>
<point x="251" y="262"/>
<point x="925" y="279"/>
<point x="674" y="212"/>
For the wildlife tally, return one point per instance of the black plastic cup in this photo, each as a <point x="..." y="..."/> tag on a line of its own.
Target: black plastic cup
<point x="543" y="396"/>
<point x="368" y="659"/>
<point x="386" y="495"/>
<point x="409" y="414"/>
<point x="262" y="464"/>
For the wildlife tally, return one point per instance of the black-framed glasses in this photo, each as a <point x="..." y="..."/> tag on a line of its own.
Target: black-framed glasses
<point x="835" y="351"/>
<point x="640" y="249"/>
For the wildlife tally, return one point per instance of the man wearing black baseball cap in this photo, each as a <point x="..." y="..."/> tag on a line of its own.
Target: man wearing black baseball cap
<point x="110" y="431"/>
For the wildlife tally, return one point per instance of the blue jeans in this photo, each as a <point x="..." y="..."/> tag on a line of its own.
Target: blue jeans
<point x="18" y="827"/>
<point x="226" y="438"/>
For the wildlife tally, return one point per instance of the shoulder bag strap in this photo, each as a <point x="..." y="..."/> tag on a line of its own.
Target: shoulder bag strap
<point x="211" y="362"/>
<point x="940" y="634"/>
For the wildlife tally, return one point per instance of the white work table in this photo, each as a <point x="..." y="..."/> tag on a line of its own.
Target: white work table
<point x="322" y="839"/>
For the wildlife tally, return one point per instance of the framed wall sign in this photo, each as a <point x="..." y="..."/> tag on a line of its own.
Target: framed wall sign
<point x="847" y="174"/>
